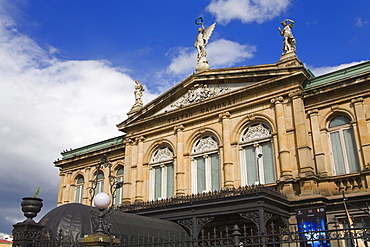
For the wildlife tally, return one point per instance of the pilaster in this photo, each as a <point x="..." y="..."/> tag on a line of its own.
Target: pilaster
<point x="227" y="154"/>
<point x="306" y="168"/>
<point x="180" y="171"/>
<point x="322" y="170"/>
<point x="127" y="183"/>
<point x="286" y="170"/>
<point x="362" y="129"/>
<point x="140" y="170"/>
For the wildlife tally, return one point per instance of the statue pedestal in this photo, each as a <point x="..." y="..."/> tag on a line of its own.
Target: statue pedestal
<point x="98" y="240"/>
<point x="289" y="59"/>
<point x="202" y="65"/>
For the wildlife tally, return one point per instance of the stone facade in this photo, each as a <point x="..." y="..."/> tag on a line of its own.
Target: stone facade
<point x="219" y="130"/>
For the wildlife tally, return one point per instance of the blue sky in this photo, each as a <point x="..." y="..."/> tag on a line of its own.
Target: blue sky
<point x="67" y="67"/>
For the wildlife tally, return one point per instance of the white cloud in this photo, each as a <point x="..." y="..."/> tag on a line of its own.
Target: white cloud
<point x="317" y="71"/>
<point x="247" y="10"/>
<point x="221" y="53"/>
<point x="360" y="22"/>
<point x="48" y="105"/>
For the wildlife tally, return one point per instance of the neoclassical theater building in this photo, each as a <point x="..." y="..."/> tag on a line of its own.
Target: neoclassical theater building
<point x="252" y="145"/>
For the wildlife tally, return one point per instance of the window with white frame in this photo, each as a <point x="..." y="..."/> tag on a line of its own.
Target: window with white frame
<point x="79" y="189"/>
<point x="100" y="185"/>
<point x="343" y="146"/>
<point x="205" y="165"/>
<point x="162" y="174"/>
<point x="119" y="190"/>
<point x="257" y="155"/>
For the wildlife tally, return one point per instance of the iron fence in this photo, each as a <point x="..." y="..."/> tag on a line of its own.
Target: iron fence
<point x="282" y="237"/>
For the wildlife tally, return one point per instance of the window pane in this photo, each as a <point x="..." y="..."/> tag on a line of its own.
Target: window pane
<point x="120" y="171"/>
<point x="268" y="164"/>
<point x="79" y="191"/>
<point x="118" y="198"/>
<point x="215" y="172"/>
<point x="338" y="121"/>
<point x="352" y="157"/>
<point x="250" y="158"/>
<point x="170" y="181"/>
<point x="157" y="183"/>
<point x="201" y="175"/>
<point x="337" y="153"/>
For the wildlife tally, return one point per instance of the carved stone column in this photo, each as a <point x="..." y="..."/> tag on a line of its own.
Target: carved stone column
<point x="362" y="129"/>
<point x="286" y="169"/>
<point x="227" y="155"/>
<point x="306" y="168"/>
<point x="68" y="194"/>
<point x="87" y="177"/>
<point x="180" y="171"/>
<point x="140" y="169"/>
<point x="127" y="183"/>
<point x="322" y="170"/>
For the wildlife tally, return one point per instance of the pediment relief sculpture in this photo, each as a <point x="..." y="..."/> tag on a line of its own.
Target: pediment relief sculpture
<point x="199" y="93"/>
<point x="255" y="132"/>
<point x="205" y="144"/>
<point x="162" y="154"/>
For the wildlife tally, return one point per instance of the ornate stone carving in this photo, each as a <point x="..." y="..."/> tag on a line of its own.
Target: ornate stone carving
<point x="199" y="93"/>
<point x="162" y="154"/>
<point x="256" y="132"/>
<point x="205" y="144"/>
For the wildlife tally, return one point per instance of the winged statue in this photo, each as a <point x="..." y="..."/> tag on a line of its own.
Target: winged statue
<point x="202" y="38"/>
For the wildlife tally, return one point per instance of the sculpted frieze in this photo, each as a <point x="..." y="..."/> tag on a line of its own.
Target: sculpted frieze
<point x="199" y="93"/>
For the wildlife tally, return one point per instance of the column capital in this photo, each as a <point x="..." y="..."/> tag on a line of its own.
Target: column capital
<point x="224" y="115"/>
<point x="313" y="112"/>
<point x="357" y="100"/>
<point x="296" y="94"/>
<point x="139" y="139"/>
<point x="277" y="100"/>
<point x="178" y="128"/>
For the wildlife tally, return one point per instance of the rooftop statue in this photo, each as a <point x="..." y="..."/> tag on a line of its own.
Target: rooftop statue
<point x="139" y="88"/>
<point x="201" y="43"/>
<point x="286" y="32"/>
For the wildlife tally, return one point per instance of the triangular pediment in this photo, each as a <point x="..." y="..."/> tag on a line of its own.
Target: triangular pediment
<point x="206" y="86"/>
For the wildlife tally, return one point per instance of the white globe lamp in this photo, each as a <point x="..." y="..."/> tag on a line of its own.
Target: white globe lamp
<point x="102" y="200"/>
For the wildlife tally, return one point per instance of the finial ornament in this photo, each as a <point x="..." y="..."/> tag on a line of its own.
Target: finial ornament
<point x="289" y="40"/>
<point x="201" y="43"/>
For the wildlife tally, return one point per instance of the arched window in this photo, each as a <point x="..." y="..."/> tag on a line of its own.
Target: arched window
<point x="162" y="174"/>
<point x="79" y="189"/>
<point x="205" y="165"/>
<point x="100" y="185"/>
<point x="257" y="156"/>
<point x="343" y="146"/>
<point x="119" y="190"/>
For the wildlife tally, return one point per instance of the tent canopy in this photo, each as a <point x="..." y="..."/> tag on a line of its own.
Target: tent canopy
<point x="73" y="221"/>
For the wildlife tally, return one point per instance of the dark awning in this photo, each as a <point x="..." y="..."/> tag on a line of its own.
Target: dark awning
<point x="73" y="221"/>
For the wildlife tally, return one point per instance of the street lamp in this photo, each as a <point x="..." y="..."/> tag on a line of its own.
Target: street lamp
<point x="102" y="202"/>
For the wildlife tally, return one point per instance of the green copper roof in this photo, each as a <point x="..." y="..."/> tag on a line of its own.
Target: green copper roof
<point x="338" y="75"/>
<point x="92" y="147"/>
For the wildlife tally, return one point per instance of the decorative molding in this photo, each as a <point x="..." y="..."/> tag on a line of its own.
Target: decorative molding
<point x="162" y="154"/>
<point x="256" y="132"/>
<point x="199" y="93"/>
<point x="205" y="144"/>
